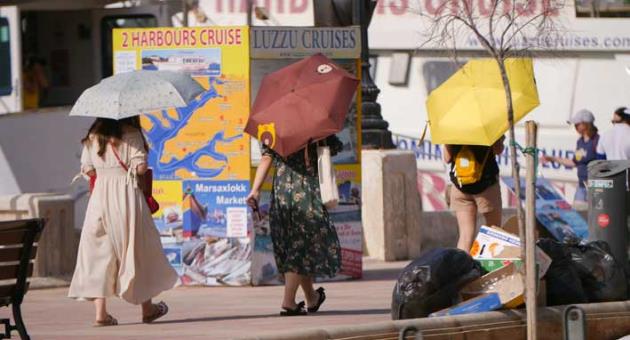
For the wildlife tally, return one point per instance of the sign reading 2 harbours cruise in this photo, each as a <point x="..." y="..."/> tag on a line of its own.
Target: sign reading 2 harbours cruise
<point x="204" y="139"/>
<point x="199" y="154"/>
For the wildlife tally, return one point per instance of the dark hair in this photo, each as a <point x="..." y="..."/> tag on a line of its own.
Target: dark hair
<point x="105" y="130"/>
<point x="621" y="112"/>
<point x="592" y="130"/>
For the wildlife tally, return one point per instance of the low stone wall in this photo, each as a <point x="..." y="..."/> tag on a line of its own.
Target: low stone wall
<point x="604" y="321"/>
<point x="58" y="244"/>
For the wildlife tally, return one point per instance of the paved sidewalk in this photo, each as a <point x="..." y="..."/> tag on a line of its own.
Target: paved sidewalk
<point x="214" y="312"/>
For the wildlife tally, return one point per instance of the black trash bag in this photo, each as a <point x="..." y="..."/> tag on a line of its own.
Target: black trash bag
<point x="602" y="277"/>
<point x="564" y="285"/>
<point x="581" y="273"/>
<point x="432" y="282"/>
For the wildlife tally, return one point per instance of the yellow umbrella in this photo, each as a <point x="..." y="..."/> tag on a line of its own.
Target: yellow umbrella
<point x="470" y="107"/>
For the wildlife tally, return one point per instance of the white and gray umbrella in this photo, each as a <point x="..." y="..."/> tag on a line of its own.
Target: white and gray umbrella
<point x="133" y="93"/>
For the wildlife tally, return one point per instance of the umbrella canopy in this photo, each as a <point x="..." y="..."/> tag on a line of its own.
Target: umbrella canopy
<point x="305" y="101"/>
<point x="132" y="93"/>
<point x="470" y="107"/>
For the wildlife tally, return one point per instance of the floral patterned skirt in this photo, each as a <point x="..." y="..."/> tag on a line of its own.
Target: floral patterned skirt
<point x="304" y="240"/>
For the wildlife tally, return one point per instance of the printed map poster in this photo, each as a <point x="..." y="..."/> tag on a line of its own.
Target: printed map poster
<point x="204" y="140"/>
<point x="199" y="154"/>
<point x="553" y="212"/>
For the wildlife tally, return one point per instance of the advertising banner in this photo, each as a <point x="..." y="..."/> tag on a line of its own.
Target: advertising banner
<point x="199" y="153"/>
<point x="554" y="213"/>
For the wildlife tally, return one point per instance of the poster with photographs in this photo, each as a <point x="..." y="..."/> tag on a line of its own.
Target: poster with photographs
<point x="553" y="212"/>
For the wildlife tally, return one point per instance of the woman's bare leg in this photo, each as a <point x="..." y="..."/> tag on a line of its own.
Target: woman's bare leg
<point x="493" y="218"/>
<point x="467" y="224"/>
<point x="101" y="309"/>
<point x="309" y="291"/>
<point x="291" y="285"/>
<point x="148" y="308"/>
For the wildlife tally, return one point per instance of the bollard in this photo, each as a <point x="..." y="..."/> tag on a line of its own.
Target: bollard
<point x="574" y="321"/>
<point x="407" y="331"/>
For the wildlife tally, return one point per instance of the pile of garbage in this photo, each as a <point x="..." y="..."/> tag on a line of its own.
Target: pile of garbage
<point x="448" y="281"/>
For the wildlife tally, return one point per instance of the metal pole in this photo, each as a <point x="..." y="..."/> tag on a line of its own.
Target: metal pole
<point x="185" y="10"/>
<point x="531" y="274"/>
<point x="250" y="8"/>
<point x="375" y="133"/>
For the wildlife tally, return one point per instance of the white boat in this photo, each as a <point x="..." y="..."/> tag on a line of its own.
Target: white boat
<point x="183" y="63"/>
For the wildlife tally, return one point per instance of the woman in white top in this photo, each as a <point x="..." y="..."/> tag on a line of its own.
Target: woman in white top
<point x="614" y="144"/>
<point x="120" y="251"/>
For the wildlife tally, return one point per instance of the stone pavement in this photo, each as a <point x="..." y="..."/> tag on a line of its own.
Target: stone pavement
<point x="213" y="312"/>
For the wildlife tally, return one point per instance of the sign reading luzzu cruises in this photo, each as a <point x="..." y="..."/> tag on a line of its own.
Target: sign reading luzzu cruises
<point x="299" y="42"/>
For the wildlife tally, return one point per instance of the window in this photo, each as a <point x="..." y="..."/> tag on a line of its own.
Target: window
<point x="120" y="21"/>
<point x="5" y="58"/>
<point x="602" y="8"/>
<point x="435" y="72"/>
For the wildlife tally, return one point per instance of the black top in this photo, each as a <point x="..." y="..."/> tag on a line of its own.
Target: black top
<point x="490" y="173"/>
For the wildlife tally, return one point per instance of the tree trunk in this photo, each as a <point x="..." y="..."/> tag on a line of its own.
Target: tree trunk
<point x="520" y="215"/>
<point x="531" y="274"/>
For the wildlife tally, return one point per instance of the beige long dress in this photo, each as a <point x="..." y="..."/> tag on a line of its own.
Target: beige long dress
<point x="120" y="251"/>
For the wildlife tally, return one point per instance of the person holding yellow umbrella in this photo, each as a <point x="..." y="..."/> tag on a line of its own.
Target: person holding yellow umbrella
<point x="468" y="114"/>
<point x="469" y="196"/>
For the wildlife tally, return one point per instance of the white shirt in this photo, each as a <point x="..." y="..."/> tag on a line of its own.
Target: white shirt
<point x="615" y="143"/>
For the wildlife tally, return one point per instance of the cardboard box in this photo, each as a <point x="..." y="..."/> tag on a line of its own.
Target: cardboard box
<point x="491" y="265"/>
<point x="494" y="243"/>
<point x="507" y="282"/>
<point x="483" y="303"/>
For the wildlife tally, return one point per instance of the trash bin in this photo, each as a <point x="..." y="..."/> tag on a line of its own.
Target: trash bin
<point x="608" y="207"/>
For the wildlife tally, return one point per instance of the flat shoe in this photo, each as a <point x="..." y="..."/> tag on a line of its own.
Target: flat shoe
<point x="109" y="321"/>
<point x="297" y="311"/>
<point x="320" y="301"/>
<point x="160" y="310"/>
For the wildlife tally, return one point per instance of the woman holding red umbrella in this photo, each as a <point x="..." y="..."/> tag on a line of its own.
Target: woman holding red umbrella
<point x="305" y="241"/>
<point x="296" y="105"/>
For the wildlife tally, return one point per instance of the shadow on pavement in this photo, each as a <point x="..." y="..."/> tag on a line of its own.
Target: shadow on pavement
<point x="216" y="318"/>
<point x="246" y="317"/>
<point x="381" y="274"/>
<point x="355" y="312"/>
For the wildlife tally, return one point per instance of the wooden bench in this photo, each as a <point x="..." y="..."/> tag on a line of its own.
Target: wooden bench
<point x="17" y="251"/>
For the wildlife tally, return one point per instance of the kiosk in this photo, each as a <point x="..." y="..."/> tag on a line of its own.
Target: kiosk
<point x="202" y="160"/>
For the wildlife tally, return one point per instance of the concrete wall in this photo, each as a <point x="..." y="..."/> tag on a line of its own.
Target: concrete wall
<point x="391" y="205"/>
<point x="39" y="152"/>
<point x="58" y="244"/>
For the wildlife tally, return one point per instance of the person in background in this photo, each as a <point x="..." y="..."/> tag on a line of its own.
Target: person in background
<point x="483" y="196"/>
<point x="35" y="83"/>
<point x="120" y="252"/>
<point x="615" y="143"/>
<point x="585" y="152"/>
<point x="305" y="242"/>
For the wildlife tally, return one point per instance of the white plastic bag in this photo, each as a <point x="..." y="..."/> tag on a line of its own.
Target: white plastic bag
<point x="327" y="179"/>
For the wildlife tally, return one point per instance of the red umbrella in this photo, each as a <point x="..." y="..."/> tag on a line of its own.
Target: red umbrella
<point x="305" y="101"/>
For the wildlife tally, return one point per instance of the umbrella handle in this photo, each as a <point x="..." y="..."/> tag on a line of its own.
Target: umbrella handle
<point x="424" y="132"/>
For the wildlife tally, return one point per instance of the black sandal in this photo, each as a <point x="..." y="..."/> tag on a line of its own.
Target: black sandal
<point x="297" y="311"/>
<point x="320" y="301"/>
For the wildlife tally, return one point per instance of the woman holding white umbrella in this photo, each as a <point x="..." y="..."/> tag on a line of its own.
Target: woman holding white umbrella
<point x="120" y="251"/>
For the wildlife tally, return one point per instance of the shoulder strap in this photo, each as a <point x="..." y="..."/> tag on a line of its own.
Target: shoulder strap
<point x="485" y="160"/>
<point x="118" y="158"/>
